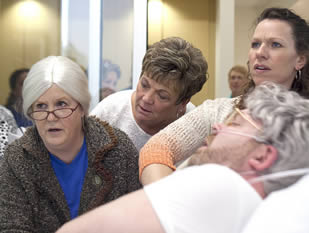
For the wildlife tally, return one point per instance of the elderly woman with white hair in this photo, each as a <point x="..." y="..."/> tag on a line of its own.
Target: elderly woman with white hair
<point x="68" y="163"/>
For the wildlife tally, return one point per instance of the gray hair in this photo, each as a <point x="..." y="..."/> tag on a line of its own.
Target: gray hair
<point x="58" y="70"/>
<point x="284" y="115"/>
<point x="175" y="59"/>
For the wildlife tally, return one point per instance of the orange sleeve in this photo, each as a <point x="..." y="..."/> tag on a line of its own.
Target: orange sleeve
<point x="154" y="153"/>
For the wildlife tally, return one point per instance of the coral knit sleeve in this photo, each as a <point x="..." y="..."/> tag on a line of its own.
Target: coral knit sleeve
<point x="181" y="138"/>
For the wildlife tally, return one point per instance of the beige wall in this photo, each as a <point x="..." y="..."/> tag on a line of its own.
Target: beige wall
<point x="224" y="46"/>
<point x="244" y="20"/>
<point x="26" y="39"/>
<point x="192" y="20"/>
<point x="120" y="55"/>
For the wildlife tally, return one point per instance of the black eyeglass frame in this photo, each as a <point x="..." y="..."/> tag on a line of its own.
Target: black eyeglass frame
<point x="53" y="112"/>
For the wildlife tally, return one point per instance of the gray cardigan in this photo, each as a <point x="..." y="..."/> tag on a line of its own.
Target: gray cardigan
<point x="31" y="198"/>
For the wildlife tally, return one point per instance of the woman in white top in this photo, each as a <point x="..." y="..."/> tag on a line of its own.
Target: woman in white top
<point x="172" y="72"/>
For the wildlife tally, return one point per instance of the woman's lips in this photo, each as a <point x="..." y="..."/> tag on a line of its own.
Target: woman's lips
<point x="144" y="109"/>
<point x="261" y="67"/>
<point x="54" y="130"/>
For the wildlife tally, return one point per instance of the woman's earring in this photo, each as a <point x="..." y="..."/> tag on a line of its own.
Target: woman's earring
<point x="298" y="74"/>
<point x="179" y="113"/>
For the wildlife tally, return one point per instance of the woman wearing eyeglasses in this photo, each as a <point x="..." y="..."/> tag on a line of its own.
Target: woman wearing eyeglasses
<point x="68" y="163"/>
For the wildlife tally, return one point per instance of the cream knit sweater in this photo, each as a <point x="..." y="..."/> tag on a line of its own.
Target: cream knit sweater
<point x="181" y="138"/>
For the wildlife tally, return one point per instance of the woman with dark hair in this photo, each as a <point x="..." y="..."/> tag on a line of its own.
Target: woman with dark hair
<point x="279" y="53"/>
<point x="14" y="101"/>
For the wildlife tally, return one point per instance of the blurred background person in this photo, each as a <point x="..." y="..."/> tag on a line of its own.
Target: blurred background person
<point x="173" y="70"/>
<point x="68" y="163"/>
<point x="14" y="101"/>
<point x="238" y="80"/>
<point x="109" y="79"/>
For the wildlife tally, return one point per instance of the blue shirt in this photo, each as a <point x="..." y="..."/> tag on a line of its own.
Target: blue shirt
<point x="71" y="177"/>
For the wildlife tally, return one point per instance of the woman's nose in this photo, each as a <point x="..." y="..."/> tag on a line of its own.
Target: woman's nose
<point x="148" y="97"/>
<point x="51" y="117"/>
<point x="262" y="51"/>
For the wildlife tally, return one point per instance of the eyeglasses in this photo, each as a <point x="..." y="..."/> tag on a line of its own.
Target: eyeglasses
<point x="59" y="113"/>
<point x="238" y="111"/>
<point x="235" y="132"/>
<point x="248" y="119"/>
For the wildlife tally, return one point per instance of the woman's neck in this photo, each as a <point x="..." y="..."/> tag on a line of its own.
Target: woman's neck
<point x="68" y="153"/>
<point x="149" y="130"/>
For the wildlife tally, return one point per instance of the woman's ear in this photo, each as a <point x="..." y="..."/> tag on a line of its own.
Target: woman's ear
<point x="82" y="112"/>
<point x="301" y="62"/>
<point x="183" y="107"/>
<point x="265" y="157"/>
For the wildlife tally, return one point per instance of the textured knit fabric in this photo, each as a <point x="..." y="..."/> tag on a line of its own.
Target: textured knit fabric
<point x="31" y="199"/>
<point x="181" y="138"/>
<point x="209" y="198"/>
<point x="7" y="126"/>
<point x="117" y="110"/>
<point x="284" y="211"/>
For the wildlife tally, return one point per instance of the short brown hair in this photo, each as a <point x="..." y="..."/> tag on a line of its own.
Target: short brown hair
<point x="174" y="59"/>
